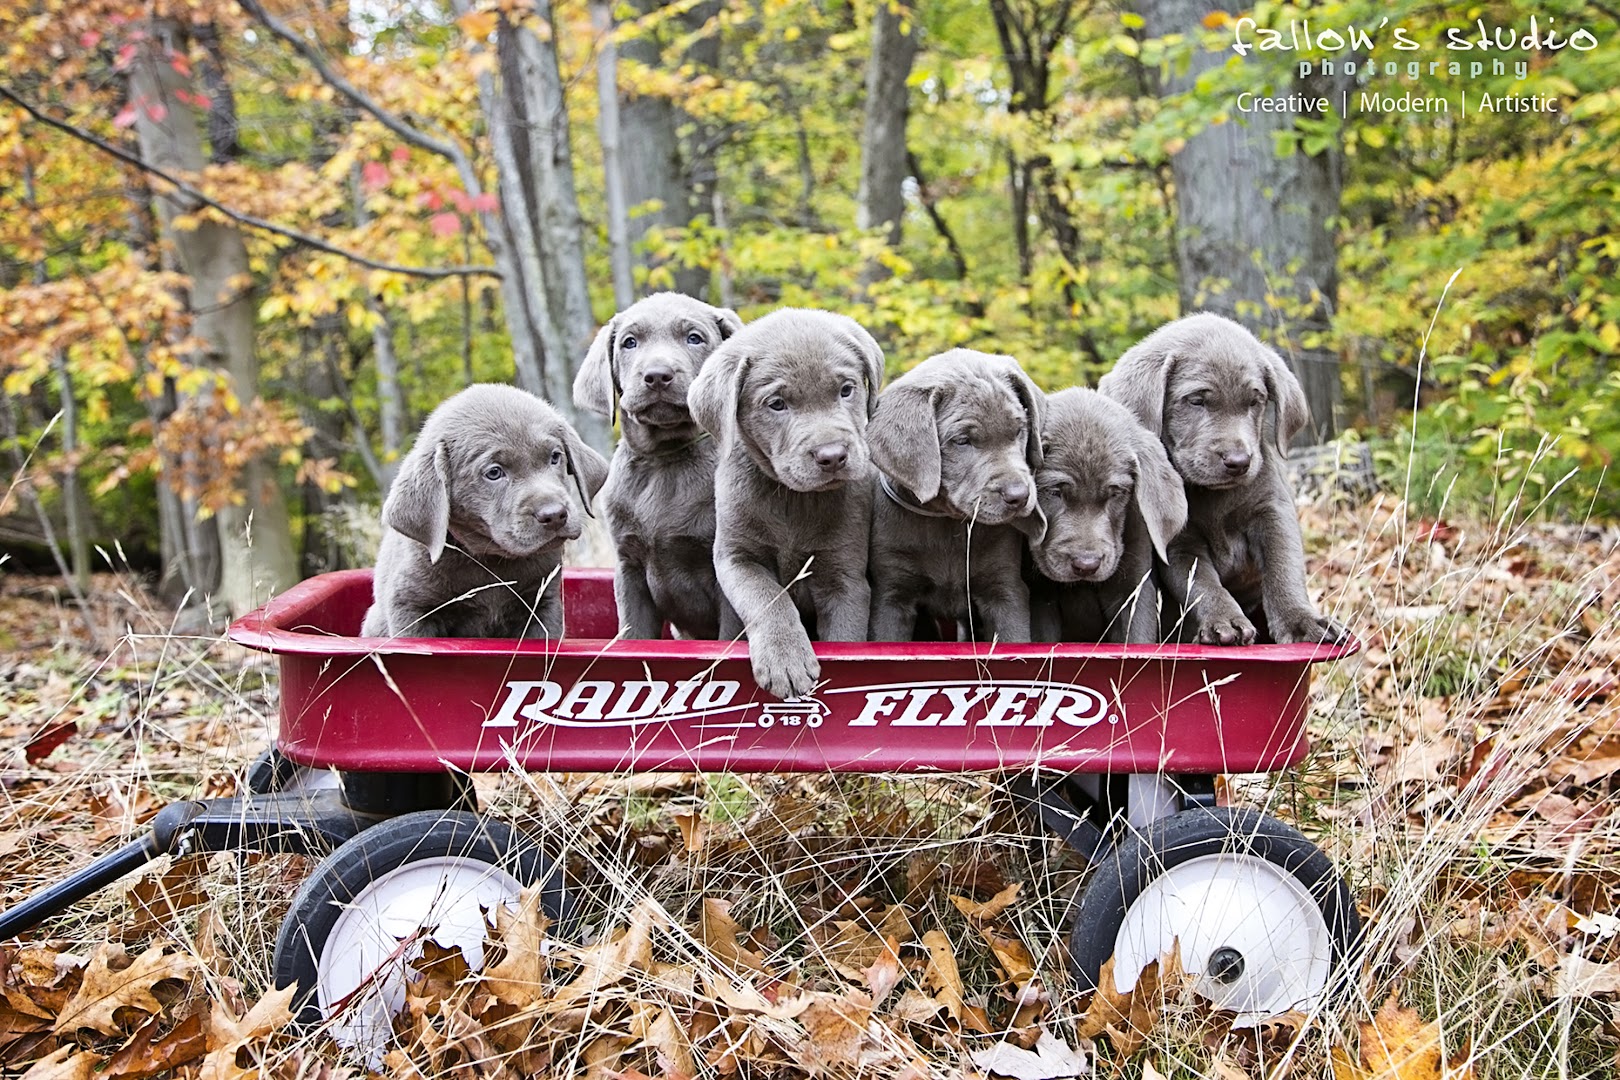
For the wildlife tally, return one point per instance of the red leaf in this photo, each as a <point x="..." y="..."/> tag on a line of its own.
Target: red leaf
<point x="157" y="111"/>
<point x="486" y="202"/>
<point x="181" y="65"/>
<point x="90" y="39"/>
<point x="430" y="199"/>
<point x="40" y="747"/>
<point x="460" y="200"/>
<point x="125" y="117"/>
<point x="401" y="154"/>
<point x="445" y="225"/>
<point x="125" y="57"/>
<point x="373" y="175"/>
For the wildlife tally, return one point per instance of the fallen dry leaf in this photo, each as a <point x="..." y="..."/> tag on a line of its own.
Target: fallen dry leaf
<point x="110" y="984"/>
<point x="1051" y="1059"/>
<point x="990" y="908"/>
<point x="1397" y="1044"/>
<point x="516" y="977"/>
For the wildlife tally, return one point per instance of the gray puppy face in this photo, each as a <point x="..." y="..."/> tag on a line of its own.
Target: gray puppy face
<point x="1097" y="461"/>
<point x="796" y="387"/>
<point x="644" y="359"/>
<point x="494" y="470"/>
<point x="962" y="428"/>
<point x="1207" y="386"/>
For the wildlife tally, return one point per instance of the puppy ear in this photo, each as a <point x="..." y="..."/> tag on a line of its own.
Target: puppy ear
<point x="418" y="505"/>
<point x="1160" y="495"/>
<point x="871" y="354"/>
<point x="713" y="395"/>
<point x="1138" y="382"/>
<point x="1293" y="412"/>
<point x="1034" y="403"/>
<point x="727" y="322"/>
<point x="588" y="468"/>
<point x="903" y="436"/>
<point x="596" y="387"/>
<point x="1032" y="525"/>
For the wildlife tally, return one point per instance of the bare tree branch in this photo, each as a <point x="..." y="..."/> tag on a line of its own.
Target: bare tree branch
<point x="251" y="221"/>
<point x="415" y="136"/>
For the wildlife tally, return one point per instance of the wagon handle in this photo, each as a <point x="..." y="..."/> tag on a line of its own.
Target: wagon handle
<point x="167" y="827"/>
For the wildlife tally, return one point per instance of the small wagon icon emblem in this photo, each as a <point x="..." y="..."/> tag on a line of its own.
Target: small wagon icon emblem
<point x="808" y="713"/>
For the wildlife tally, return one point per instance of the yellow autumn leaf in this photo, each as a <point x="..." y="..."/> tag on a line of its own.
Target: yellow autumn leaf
<point x="478" y="25"/>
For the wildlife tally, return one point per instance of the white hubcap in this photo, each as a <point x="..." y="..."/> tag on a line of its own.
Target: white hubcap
<point x="363" y="969"/>
<point x="1250" y="935"/>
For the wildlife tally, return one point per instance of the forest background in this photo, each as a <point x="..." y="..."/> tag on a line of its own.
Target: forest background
<point x="245" y="248"/>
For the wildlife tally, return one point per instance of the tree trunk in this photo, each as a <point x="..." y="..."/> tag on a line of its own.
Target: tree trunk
<point x="1251" y="224"/>
<point x="673" y="177"/>
<point x="608" y="130"/>
<point x="880" y="200"/>
<point x="257" y="551"/>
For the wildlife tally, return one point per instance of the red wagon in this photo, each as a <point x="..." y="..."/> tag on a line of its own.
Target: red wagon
<point x="1115" y="747"/>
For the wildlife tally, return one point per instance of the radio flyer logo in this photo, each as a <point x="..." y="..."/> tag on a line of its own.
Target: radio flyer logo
<point x="632" y="703"/>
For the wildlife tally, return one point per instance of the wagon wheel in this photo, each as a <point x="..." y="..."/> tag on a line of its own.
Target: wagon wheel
<point x="363" y="916"/>
<point x="1262" y="920"/>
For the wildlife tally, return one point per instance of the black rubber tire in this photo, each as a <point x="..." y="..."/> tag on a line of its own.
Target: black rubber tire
<point x="269" y="773"/>
<point x="345" y="874"/>
<point x="1119" y="880"/>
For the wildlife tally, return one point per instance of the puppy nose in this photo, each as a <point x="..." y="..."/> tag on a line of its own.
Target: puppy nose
<point x="553" y="515"/>
<point x="1087" y="562"/>
<point x="658" y="376"/>
<point x="1015" y="493"/>
<point x="1236" y="463"/>
<point x="831" y="456"/>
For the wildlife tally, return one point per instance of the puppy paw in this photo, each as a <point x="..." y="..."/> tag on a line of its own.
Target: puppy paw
<point x="785" y="667"/>
<point x="1308" y="627"/>
<point x="1226" y="629"/>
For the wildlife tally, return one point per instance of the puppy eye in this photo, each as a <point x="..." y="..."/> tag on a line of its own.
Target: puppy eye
<point x="1197" y="400"/>
<point x="695" y="338"/>
<point x="847" y="390"/>
<point x="628" y="341"/>
<point x="1118" y="492"/>
<point x="556" y="457"/>
<point x="494" y="472"/>
<point x="963" y="439"/>
<point x="775" y="404"/>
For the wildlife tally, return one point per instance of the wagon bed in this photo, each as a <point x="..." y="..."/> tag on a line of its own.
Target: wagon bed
<point x="590" y="702"/>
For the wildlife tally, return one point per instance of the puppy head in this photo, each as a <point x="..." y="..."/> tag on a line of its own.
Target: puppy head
<point x="643" y="361"/>
<point x="1205" y="385"/>
<point x="796" y="387"/>
<point x="494" y="469"/>
<point x="1098" y="463"/>
<point x="962" y="427"/>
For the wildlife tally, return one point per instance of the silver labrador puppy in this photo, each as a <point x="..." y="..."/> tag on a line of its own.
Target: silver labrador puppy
<point x="788" y="399"/>
<point x="659" y="497"/>
<point x="1226" y="407"/>
<point x="956" y="441"/>
<point x="1111" y="500"/>
<point x="474" y="525"/>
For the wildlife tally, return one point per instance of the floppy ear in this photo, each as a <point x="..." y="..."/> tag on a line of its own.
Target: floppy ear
<point x="1032" y="525"/>
<point x="727" y="322"/>
<point x="712" y="397"/>
<point x="903" y="437"/>
<point x="418" y="505"/>
<point x="1138" y="382"/>
<point x="588" y="468"/>
<point x="1293" y="412"/>
<point x="1160" y="495"/>
<point x="596" y="387"/>
<point x="1034" y="403"/>
<point x="872" y="355"/>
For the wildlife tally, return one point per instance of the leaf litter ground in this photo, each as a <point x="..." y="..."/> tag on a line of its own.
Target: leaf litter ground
<point x="1463" y="776"/>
